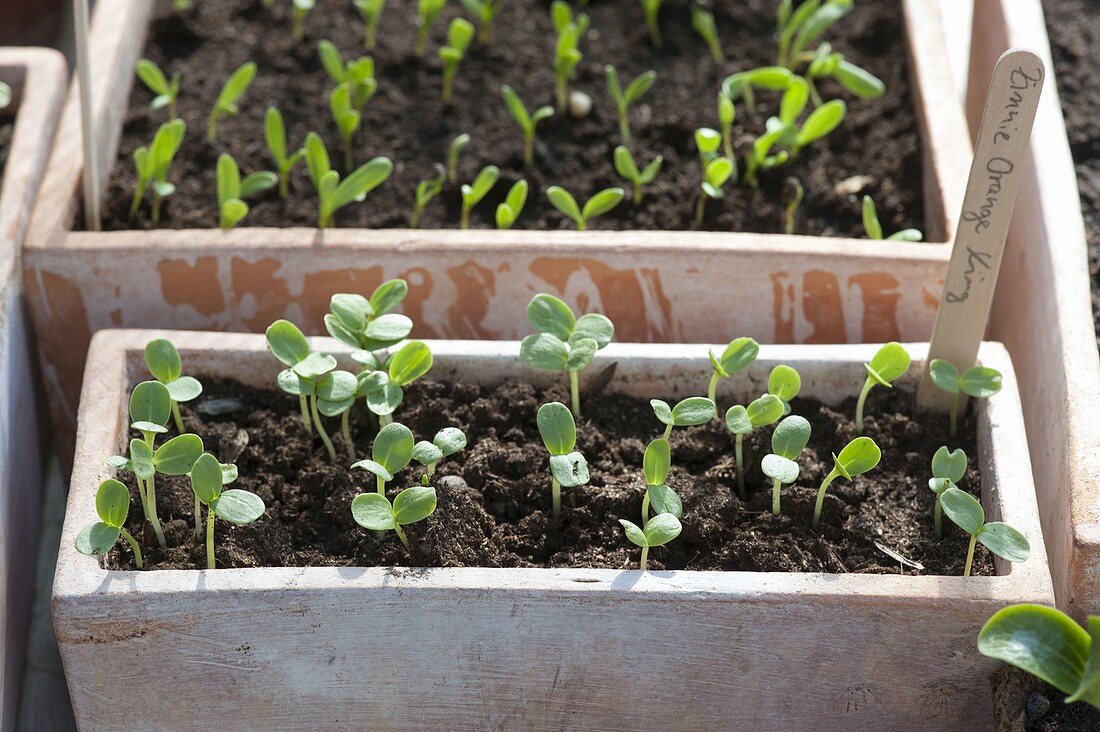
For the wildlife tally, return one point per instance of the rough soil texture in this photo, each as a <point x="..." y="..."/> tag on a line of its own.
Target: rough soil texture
<point x="876" y="151"/>
<point x="1023" y="702"/>
<point x="6" y="128"/>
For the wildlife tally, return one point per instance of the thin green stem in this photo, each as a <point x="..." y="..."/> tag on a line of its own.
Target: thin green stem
<point x="448" y="82"/>
<point x="464" y="222"/>
<point x="637" y="193"/>
<point x="821" y="496"/>
<point x="575" y="393"/>
<point x="198" y="519"/>
<point x="712" y="387"/>
<point x="644" y="563"/>
<point x="624" y="125"/>
<point x="209" y="538"/>
<point x="414" y="220"/>
<point x="177" y="417"/>
<point x="775" y="496"/>
<point x="156" y="207"/>
<point x="384" y="419"/>
<point x="380" y="485"/>
<point x="151" y="493"/>
<point x="135" y="202"/>
<point x="421" y="40"/>
<point x="867" y="386"/>
<point x="321" y="429"/>
<point x="738" y="451"/>
<point x="582" y="225"/>
<point x="212" y="129"/>
<point x="556" y="510"/>
<point x="750" y="99"/>
<point x="284" y="183"/>
<point x="645" y="509"/>
<point x="937" y="521"/>
<point x="529" y="149"/>
<point x="970" y="556"/>
<point x="401" y="535"/>
<point x="345" y="430"/>
<point x="303" y="404"/>
<point x="133" y="545"/>
<point x="668" y="431"/>
<point x="349" y="155"/>
<point x="561" y="93"/>
<point x="955" y="414"/>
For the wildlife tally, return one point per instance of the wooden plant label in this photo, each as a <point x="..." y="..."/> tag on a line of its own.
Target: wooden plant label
<point x="999" y="157"/>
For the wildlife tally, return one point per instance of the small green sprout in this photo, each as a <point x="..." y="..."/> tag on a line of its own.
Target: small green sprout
<point x="112" y="503"/>
<point x="164" y="363"/>
<point x="231" y="190"/>
<point x="789" y="439"/>
<point x="688" y="412"/>
<point x="887" y="366"/>
<point x="980" y="382"/>
<point x="568" y="468"/>
<point x="702" y="20"/>
<point x="707" y="142"/>
<point x="785" y="383"/>
<point x="639" y="179"/>
<point x="235" y="505"/>
<point x="659" y="531"/>
<point x="873" y="227"/>
<point x="858" y="456"/>
<point x="391" y="453"/>
<point x="651" y="9"/>
<point x="797" y="29"/>
<point x="1047" y="643"/>
<point x="287" y="344"/>
<point x="150" y="410"/>
<point x="797" y="194"/>
<point x="828" y="64"/>
<point x="473" y="194"/>
<point x="761" y="156"/>
<point x="375" y="512"/>
<point x="656" y="463"/>
<point x="152" y="165"/>
<point x="426" y="190"/>
<point x="564" y="342"/>
<point x="948" y="468"/>
<point x="275" y="136"/>
<point x="742" y="421"/>
<point x="347" y="121"/>
<point x="567" y="54"/>
<point x="367" y="325"/>
<point x="736" y="357"/>
<point x="454" y="152"/>
<point x="459" y="36"/>
<point x="229" y="475"/>
<point x="358" y="74"/>
<point x="371" y="12"/>
<point x="427" y="11"/>
<point x="446" y="442"/>
<point x="512" y="207"/>
<point x="635" y="90"/>
<point x="226" y="104"/>
<point x="715" y="175"/>
<point x="334" y="193"/>
<point x="998" y="537"/>
<point x="336" y="393"/>
<point x="527" y="122"/>
<point x="485" y="11"/>
<point x="820" y="123"/>
<point x="385" y="390"/>
<point x="598" y="205"/>
<point x="742" y="85"/>
<point x="167" y="92"/>
<point x="299" y="11"/>
<point x="727" y="113"/>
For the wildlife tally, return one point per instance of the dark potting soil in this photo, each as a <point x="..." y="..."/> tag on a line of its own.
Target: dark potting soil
<point x="876" y="151"/>
<point x="1074" y="28"/>
<point x="498" y="514"/>
<point x="1024" y="702"/>
<point x="7" y="127"/>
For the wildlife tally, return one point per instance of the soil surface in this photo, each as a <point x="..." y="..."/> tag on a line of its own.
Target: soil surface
<point x="494" y="497"/>
<point x="1074" y="28"/>
<point x="1022" y="701"/>
<point x="876" y="151"/>
<point x="7" y="127"/>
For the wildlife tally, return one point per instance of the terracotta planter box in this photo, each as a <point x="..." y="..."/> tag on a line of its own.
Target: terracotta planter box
<point x="533" y="648"/>
<point x="475" y="284"/>
<point x="35" y="113"/>
<point x="1046" y="319"/>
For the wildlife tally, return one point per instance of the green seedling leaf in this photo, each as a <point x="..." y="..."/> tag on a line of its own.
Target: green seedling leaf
<point x="393" y="447"/>
<point x="656" y="461"/>
<point x="964" y="509"/>
<point x="473" y="194"/>
<point x="287" y="343"/>
<point x="226" y="104"/>
<point x="949" y="465"/>
<point x="663" y="499"/>
<point x="1004" y="541"/>
<point x="888" y="364"/>
<point x="598" y="205"/>
<point x="141" y="459"/>
<point x="544" y="351"/>
<point x="413" y="504"/>
<point x="736" y="357"/>
<point x="581" y="354"/>
<point x="784" y="382"/>
<point x="150" y="407"/>
<point x="314" y="365"/>
<point x="980" y="382"/>
<point x="163" y="360"/>
<point x="548" y="314"/>
<point x="238" y="506"/>
<point x="112" y="503"/>
<point x="411" y="362"/>
<point x="557" y="428"/>
<point x="687" y="412"/>
<point x="509" y="211"/>
<point x="661" y="529"/>
<point x="569" y="470"/>
<point x="790" y="437"/>
<point x="178" y="455"/>
<point x="207" y="478"/>
<point x="373" y="511"/>
<point x="97" y="538"/>
<point x="634" y="533"/>
<point x="450" y="440"/>
<point x="426" y="453"/>
<point x="858" y="457"/>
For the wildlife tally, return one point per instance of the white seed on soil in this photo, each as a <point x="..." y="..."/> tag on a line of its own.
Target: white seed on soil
<point x="580" y="104"/>
<point x="853" y="185"/>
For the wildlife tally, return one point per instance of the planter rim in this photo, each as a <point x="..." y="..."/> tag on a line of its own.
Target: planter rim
<point x="79" y="576"/>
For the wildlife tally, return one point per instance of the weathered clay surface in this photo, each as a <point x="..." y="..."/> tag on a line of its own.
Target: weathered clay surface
<point x="533" y="648"/>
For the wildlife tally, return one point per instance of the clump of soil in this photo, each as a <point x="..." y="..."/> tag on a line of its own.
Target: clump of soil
<point x="1023" y="702"/>
<point x="494" y="497"/>
<point x="876" y="150"/>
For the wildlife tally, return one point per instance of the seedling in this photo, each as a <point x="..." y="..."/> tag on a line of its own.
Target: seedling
<point x="287" y="343"/>
<point x="485" y="11"/>
<point x="743" y="84"/>
<point x="334" y="193"/>
<point x="659" y="531"/>
<point x="858" y="81"/>
<point x="887" y="365"/>
<point x="347" y="121"/>
<point x="797" y="29"/>
<point x="336" y="393"/>
<point x="564" y="342"/>
<point x="275" y="136"/>
<point x="367" y="325"/>
<point x="426" y="190"/>
<point x="226" y="104"/>
<point x="858" y="457"/>
<point x="820" y="123"/>
<point x="459" y="36"/>
<point x="568" y="468"/>
<point x="707" y="142"/>
<point x="651" y="9"/>
<point x="639" y="179"/>
<point x="980" y="382"/>
<point x="738" y="355"/>
<point x="166" y="91"/>
<point x="655" y="466"/>
<point x="299" y="12"/>
<point x="234" y="505"/>
<point x="427" y="11"/>
<point x="702" y="20"/>
<point x="375" y="512"/>
<point x="598" y="205"/>
<point x="793" y="205"/>
<point x="715" y="175"/>
<point x="472" y="194"/>
<point x="112" y="503"/>
<point x="390" y="454"/>
<point x="527" y="122"/>
<point x="948" y="468"/>
<point x="385" y="390"/>
<point x="152" y="165"/>
<point x="1047" y="643"/>
<point x="741" y="421"/>
<point x="446" y="442"/>
<point x="998" y="537"/>
<point x="785" y="383"/>
<point x="873" y="227"/>
<point x="358" y="74"/>
<point x="727" y="113"/>
<point x="688" y="412"/>
<point x="789" y="439"/>
<point x="761" y="157"/>
<point x="454" y="152"/>
<point x="371" y="12"/>
<point x="635" y="90"/>
<point x="509" y="211"/>
<point x="163" y="362"/>
<point x="567" y="54"/>
<point x="231" y="190"/>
